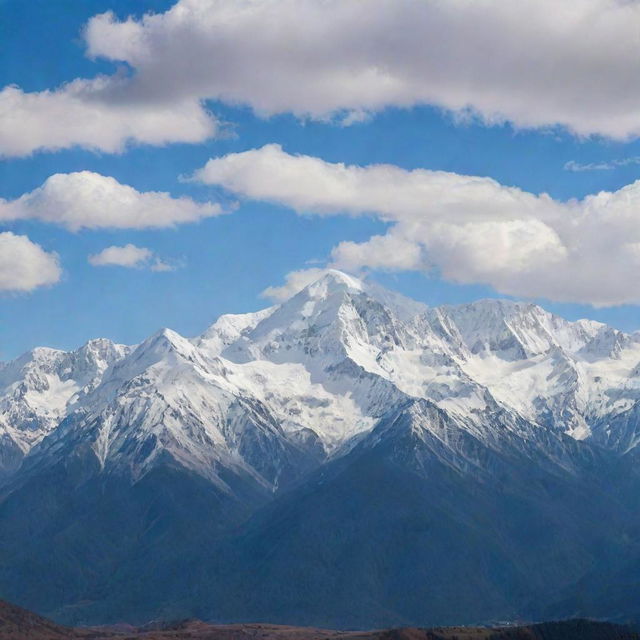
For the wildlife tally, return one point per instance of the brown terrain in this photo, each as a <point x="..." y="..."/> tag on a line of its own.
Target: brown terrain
<point x="20" y="624"/>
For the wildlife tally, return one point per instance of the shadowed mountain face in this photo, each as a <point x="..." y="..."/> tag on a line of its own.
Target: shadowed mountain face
<point x="397" y="521"/>
<point x="20" y="624"/>
<point x="348" y="459"/>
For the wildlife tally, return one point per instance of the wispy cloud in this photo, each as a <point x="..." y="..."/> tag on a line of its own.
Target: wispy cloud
<point x="572" y="165"/>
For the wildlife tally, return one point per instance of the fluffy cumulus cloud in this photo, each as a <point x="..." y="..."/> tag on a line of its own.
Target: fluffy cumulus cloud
<point x="536" y="63"/>
<point x="468" y="228"/>
<point x="87" y="200"/>
<point x="131" y="257"/>
<point x="95" y="114"/>
<point x="24" y="265"/>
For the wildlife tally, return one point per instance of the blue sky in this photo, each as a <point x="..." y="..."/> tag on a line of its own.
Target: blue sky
<point x="223" y="263"/>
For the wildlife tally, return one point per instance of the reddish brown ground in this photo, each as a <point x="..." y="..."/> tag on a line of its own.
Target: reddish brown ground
<point x="19" y="624"/>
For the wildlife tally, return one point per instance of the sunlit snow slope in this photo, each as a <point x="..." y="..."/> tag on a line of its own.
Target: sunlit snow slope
<point x="316" y="371"/>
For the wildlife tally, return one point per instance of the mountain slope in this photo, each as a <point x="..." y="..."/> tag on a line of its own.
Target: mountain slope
<point x="346" y="458"/>
<point x="422" y="522"/>
<point x="19" y="624"/>
<point x="38" y="389"/>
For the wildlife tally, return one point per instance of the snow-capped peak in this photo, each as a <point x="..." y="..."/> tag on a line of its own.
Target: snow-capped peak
<point x="331" y="282"/>
<point x="40" y="388"/>
<point x="321" y="368"/>
<point x="513" y="330"/>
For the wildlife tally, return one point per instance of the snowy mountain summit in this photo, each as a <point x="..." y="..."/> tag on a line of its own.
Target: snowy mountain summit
<point x="347" y="417"/>
<point x="322" y="367"/>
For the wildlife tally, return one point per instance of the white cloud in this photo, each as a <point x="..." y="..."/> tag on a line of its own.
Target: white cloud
<point x="127" y="256"/>
<point x="535" y="63"/>
<point x="295" y="281"/>
<point x="470" y="229"/>
<point x="309" y="184"/>
<point x="390" y="251"/>
<point x="24" y="265"/>
<point x="86" y="200"/>
<point x="96" y="114"/>
<point x="131" y="257"/>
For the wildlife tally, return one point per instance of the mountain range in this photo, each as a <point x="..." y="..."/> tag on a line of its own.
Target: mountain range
<point x="349" y="458"/>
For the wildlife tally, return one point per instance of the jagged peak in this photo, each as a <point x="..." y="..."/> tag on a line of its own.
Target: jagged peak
<point x="101" y="351"/>
<point x="321" y="300"/>
<point x="99" y="344"/>
<point x="164" y="345"/>
<point x="229" y="328"/>
<point x="334" y="288"/>
<point x="164" y="341"/>
<point x="498" y="307"/>
<point x="47" y="357"/>
<point x="38" y="358"/>
<point x="504" y="309"/>
<point x="333" y="281"/>
<point x="484" y="325"/>
<point x="37" y="354"/>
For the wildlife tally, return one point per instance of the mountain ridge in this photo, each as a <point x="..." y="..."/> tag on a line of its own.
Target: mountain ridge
<point x="141" y="480"/>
